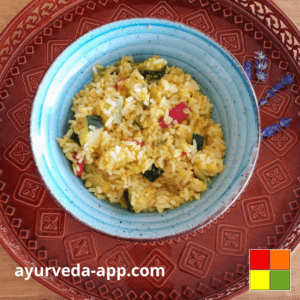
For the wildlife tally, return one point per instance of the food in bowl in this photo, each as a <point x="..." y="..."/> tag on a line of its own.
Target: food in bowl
<point x="141" y="135"/>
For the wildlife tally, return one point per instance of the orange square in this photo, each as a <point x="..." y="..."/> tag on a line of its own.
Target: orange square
<point x="280" y="259"/>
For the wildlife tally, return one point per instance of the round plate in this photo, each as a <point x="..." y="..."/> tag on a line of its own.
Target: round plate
<point x="211" y="262"/>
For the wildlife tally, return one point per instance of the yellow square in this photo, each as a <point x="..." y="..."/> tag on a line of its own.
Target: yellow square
<point x="259" y="280"/>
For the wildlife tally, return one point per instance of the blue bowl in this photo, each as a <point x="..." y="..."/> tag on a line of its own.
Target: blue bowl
<point x="220" y="77"/>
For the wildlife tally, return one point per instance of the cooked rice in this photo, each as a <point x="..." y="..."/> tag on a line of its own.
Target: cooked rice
<point x="114" y="162"/>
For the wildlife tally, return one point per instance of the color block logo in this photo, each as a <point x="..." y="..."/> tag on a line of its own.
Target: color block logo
<point x="270" y="270"/>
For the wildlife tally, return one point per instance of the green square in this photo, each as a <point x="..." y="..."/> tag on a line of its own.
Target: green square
<point x="280" y="280"/>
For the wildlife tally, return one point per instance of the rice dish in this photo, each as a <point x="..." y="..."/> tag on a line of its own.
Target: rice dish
<point x="141" y="135"/>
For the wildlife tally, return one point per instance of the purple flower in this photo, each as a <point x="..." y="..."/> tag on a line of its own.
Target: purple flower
<point x="260" y="55"/>
<point x="261" y="76"/>
<point x="261" y="65"/>
<point x="285" y="122"/>
<point x="248" y="69"/>
<point x="276" y="127"/>
<point x="288" y="79"/>
<point x="268" y="131"/>
<point x="280" y="84"/>
<point x="275" y="88"/>
<point x="247" y="65"/>
<point x="270" y="94"/>
<point x="263" y="101"/>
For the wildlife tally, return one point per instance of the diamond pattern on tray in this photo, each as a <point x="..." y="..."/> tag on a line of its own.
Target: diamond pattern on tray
<point x="232" y="40"/>
<point x="85" y="25"/>
<point x="29" y="190"/>
<point x="199" y="20"/>
<point x="117" y="257"/>
<point x="277" y="105"/>
<point x="159" y="260"/>
<point x="54" y="48"/>
<point x="231" y="240"/>
<point x="50" y="222"/>
<point x="196" y="260"/>
<point x="163" y="10"/>
<point x="19" y="115"/>
<point x="18" y="153"/>
<point x="80" y="247"/>
<point x="274" y="176"/>
<point x="258" y="211"/>
<point x="124" y="12"/>
<point x="281" y="142"/>
<point x="32" y="79"/>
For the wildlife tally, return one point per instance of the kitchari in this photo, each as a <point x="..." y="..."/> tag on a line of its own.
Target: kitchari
<point x="141" y="135"/>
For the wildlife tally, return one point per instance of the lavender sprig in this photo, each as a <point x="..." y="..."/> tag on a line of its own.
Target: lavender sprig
<point x="286" y="80"/>
<point x="263" y="101"/>
<point x="276" y="88"/>
<point x="270" y="93"/>
<point x="285" y="122"/>
<point x="267" y="132"/>
<point x="248" y="69"/>
<point x="261" y="76"/>
<point x="261" y="64"/>
<point x="277" y="127"/>
<point x="260" y="55"/>
<point x="270" y="130"/>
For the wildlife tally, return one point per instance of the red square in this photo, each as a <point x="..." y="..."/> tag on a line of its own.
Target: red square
<point x="259" y="259"/>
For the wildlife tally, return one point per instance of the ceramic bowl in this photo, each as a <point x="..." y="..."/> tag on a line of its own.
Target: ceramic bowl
<point x="220" y="77"/>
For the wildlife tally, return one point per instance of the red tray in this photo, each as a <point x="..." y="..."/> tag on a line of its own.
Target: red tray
<point x="211" y="263"/>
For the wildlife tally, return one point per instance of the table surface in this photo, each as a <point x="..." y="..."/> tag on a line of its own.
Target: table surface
<point x="16" y="288"/>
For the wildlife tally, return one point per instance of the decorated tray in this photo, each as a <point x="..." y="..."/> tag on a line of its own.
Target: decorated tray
<point x="208" y="263"/>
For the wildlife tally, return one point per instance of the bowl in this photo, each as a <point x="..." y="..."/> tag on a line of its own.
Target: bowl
<point x="220" y="77"/>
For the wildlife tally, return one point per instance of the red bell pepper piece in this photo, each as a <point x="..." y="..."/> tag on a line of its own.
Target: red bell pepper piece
<point x="183" y="154"/>
<point x="79" y="172"/>
<point x="119" y="84"/>
<point x="177" y="114"/>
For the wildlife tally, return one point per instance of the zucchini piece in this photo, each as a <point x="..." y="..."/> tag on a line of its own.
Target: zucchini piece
<point x="118" y="113"/>
<point x="143" y="105"/>
<point x="83" y="132"/>
<point x="97" y="178"/>
<point x="127" y="200"/>
<point x="154" y="74"/>
<point x="71" y="115"/>
<point x="74" y="137"/>
<point x="98" y="68"/>
<point x="199" y="175"/>
<point x="153" y="173"/>
<point x="137" y="122"/>
<point x="95" y="121"/>
<point x="199" y="141"/>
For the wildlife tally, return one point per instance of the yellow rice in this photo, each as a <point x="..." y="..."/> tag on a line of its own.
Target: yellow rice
<point x="112" y="164"/>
